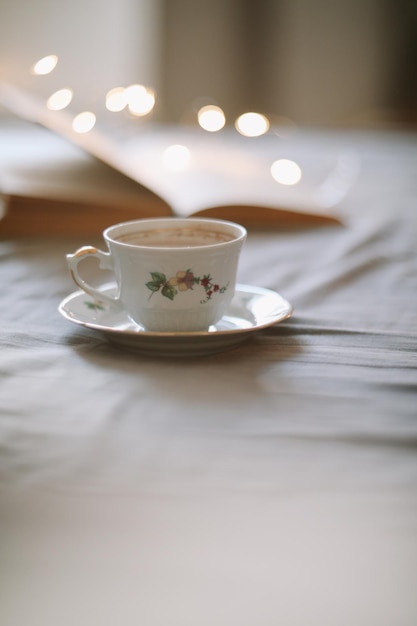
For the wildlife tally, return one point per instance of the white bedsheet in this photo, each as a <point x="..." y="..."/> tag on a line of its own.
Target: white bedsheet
<point x="272" y="484"/>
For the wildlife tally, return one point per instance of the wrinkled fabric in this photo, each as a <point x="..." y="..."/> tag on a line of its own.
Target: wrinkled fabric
<point x="274" y="483"/>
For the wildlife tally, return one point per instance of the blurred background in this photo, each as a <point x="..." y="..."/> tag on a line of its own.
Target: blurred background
<point x="327" y="63"/>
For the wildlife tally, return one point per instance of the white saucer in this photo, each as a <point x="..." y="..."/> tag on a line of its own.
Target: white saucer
<point x="252" y="308"/>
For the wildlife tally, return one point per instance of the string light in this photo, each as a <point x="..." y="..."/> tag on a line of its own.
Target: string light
<point x="286" y="172"/>
<point x="116" y="99"/>
<point x="45" y="65"/>
<point x="176" y="158"/>
<point x="252" y="124"/>
<point x="59" y="100"/>
<point x="83" y="122"/>
<point x="211" y="118"/>
<point x="140" y="99"/>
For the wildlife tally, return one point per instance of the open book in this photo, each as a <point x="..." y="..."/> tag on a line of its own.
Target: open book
<point x="56" y="181"/>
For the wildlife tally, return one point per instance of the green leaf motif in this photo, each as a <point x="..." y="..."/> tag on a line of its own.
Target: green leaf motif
<point x="181" y="282"/>
<point x="158" y="277"/>
<point x="153" y="286"/>
<point x="169" y="291"/>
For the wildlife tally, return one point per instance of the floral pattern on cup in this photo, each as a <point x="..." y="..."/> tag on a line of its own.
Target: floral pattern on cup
<point x="183" y="281"/>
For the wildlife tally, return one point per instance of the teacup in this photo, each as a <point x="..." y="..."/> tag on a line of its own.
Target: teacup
<point x="172" y="274"/>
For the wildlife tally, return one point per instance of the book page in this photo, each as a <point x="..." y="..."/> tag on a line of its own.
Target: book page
<point x="192" y="171"/>
<point x="42" y="157"/>
<point x="36" y="163"/>
<point x="197" y="171"/>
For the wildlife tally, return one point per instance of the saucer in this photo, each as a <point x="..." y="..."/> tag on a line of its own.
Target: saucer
<point x="251" y="309"/>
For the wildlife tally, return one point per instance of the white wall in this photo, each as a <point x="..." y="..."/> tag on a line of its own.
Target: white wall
<point x="100" y="43"/>
<point x="319" y="62"/>
<point x="331" y="60"/>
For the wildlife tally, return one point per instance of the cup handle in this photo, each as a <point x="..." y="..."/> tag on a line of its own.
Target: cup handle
<point x="105" y="263"/>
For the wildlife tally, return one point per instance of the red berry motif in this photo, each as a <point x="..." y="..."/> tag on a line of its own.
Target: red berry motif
<point x="183" y="281"/>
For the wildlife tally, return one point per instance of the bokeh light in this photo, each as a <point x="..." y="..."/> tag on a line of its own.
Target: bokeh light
<point x="59" y="100"/>
<point x="176" y="158"/>
<point x="45" y="65"/>
<point x="286" y="172"/>
<point x="252" y="124"/>
<point x="211" y="118"/>
<point x="116" y="99"/>
<point x="83" y="122"/>
<point x="140" y="99"/>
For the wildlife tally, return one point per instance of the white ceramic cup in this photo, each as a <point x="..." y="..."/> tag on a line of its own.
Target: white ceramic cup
<point x="172" y="274"/>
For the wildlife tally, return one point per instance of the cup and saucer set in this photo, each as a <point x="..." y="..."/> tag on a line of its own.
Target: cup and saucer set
<point x="175" y="291"/>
